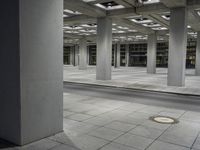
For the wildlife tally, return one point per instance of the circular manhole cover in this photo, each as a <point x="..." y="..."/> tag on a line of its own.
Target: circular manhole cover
<point x="164" y="119"/>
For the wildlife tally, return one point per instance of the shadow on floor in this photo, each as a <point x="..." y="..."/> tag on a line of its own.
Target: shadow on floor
<point x="4" y="144"/>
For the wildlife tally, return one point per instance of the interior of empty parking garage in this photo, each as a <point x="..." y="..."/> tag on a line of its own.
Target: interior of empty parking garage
<point x="100" y="75"/>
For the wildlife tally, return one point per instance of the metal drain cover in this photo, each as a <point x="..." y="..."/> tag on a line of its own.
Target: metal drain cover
<point x="164" y="119"/>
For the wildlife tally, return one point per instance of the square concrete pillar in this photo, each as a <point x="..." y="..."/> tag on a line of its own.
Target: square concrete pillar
<point x="198" y="55"/>
<point x="118" y="55"/>
<point x="76" y="48"/>
<point x="31" y="62"/>
<point x="177" y="47"/>
<point x="83" y="54"/>
<point x="88" y="55"/>
<point x="151" y="53"/>
<point x="127" y="55"/>
<point x="104" y="48"/>
<point x="72" y="55"/>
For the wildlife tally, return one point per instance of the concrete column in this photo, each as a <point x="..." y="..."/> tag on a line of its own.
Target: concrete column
<point x="118" y="55"/>
<point x="104" y="48"/>
<point x="83" y="54"/>
<point x="72" y="56"/>
<point x="127" y="55"/>
<point x="31" y="62"/>
<point x="88" y="55"/>
<point x="151" y="53"/>
<point x="114" y="48"/>
<point x="76" y="55"/>
<point x="198" y="55"/>
<point x="177" y="47"/>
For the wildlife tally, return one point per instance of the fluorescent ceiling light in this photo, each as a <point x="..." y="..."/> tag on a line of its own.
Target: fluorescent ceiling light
<point x="110" y="7"/>
<point x="72" y="12"/>
<point x="151" y="1"/>
<point x="166" y="17"/>
<point x="89" y="25"/>
<point x="141" y="20"/>
<point x="198" y="12"/>
<point x="124" y="28"/>
<point x="151" y="25"/>
<point x="160" y="28"/>
<point x="72" y="27"/>
<point x="65" y="16"/>
<point x="132" y="30"/>
<point x="89" y="0"/>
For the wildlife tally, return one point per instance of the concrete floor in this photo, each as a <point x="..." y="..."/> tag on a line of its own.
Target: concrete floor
<point x="94" y="123"/>
<point x="136" y="78"/>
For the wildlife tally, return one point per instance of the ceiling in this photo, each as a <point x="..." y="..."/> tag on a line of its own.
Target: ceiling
<point x="133" y="20"/>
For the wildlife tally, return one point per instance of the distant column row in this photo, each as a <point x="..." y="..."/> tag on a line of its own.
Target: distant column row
<point x="176" y="55"/>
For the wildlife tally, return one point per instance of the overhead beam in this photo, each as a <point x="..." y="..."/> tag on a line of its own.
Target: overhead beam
<point x="79" y="19"/>
<point x="122" y="13"/>
<point x="133" y="25"/>
<point x="85" y="8"/>
<point x="174" y="3"/>
<point x="193" y="4"/>
<point x="151" y="8"/>
<point x="194" y="20"/>
<point x="158" y="20"/>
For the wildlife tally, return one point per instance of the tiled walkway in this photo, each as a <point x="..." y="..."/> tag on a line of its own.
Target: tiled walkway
<point x="92" y="123"/>
<point x="136" y="78"/>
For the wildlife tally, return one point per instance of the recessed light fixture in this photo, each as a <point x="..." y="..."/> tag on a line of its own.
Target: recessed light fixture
<point x="166" y="17"/>
<point x="72" y="12"/>
<point x="198" y="12"/>
<point x="152" y="24"/>
<point x="141" y="20"/>
<point x="164" y="120"/>
<point x="150" y="1"/>
<point x="160" y="28"/>
<point x="109" y="5"/>
<point x="64" y="16"/>
<point x="89" y="0"/>
<point x="132" y="30"/>
<point x="124" y="28"/>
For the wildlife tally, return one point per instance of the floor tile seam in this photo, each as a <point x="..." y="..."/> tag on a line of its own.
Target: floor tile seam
<point x="145" y="136"/>
<point x="106" y="112"/>
<point x="157" y="138"/>
<point x="60" y="143"/>
<point x="120" y="130"/>
<point x="120" y="144"/>
<point x="174" y="144"/>
<point x="109" y="142"/>
<point x="195" y="140"/>
<point x="79" y="120"/>
<point x="113" y="140"/>
<point x="124" y="133"/>
<point x="188" y="120"/>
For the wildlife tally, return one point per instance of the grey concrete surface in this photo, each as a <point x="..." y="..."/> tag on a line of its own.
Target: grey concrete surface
<point x="118" y="55"/>
<point x="127" y="54"/>
<point x="83" y="54"/>
<point x="76" y="48"/>
<point x="177" y="46"/>
<point x="198" y="55"/>
<point x="104" y="48"/>
<point x="31" y="64"/>
<point x="151" y="53"/>
<point x="135" y="78"/>
<point x="122" y="126"/>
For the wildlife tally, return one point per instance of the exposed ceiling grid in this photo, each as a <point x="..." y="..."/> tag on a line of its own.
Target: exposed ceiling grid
<point x="133" y="20"/>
